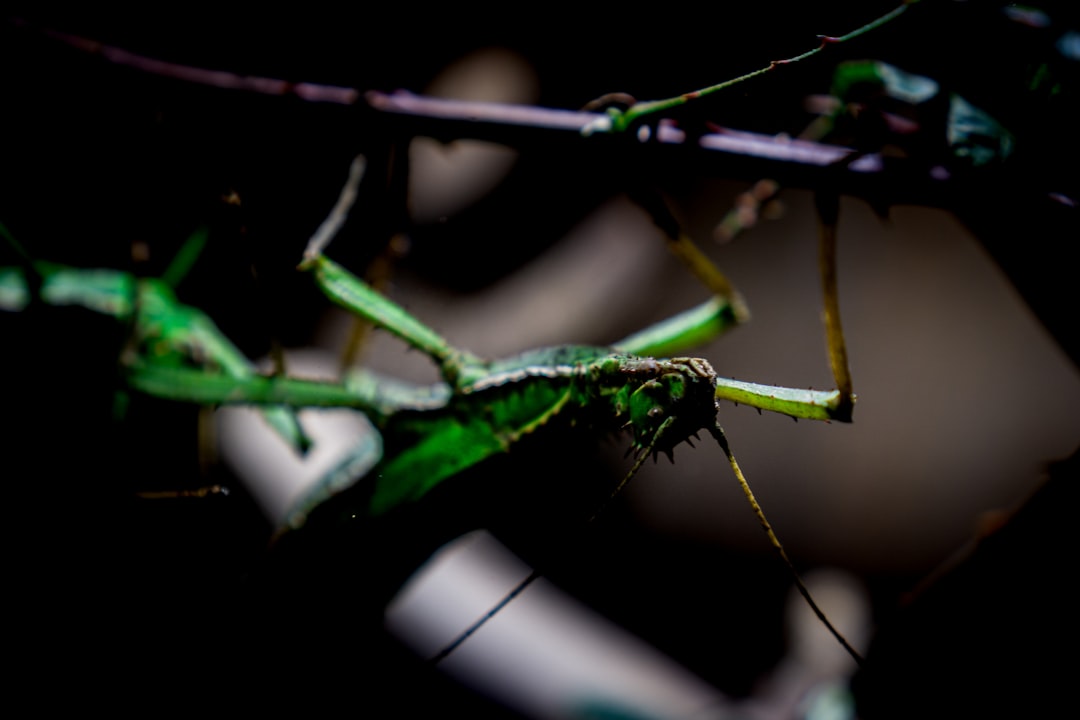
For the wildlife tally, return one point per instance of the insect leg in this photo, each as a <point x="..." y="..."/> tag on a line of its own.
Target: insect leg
<point x="836" y="404"/>
<point x="353" y="294"/>
<point x="356" y="296"/>
<point x="725" y="309"/>
<point x="828" y="208"/>
<point x="198" y="330"/>
<point x="198" y="386"/>
<point x="165" y="329"/>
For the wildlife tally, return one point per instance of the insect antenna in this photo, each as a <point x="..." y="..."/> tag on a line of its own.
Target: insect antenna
<point x="645" y="452"/>
<point x="718" y="433"/>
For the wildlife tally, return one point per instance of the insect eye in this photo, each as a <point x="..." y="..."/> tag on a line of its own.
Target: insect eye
<point x="656" y="412"/>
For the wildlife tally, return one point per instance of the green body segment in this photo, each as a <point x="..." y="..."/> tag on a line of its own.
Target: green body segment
<point x="689" y="329"/>
<point x="809" y="404"/>
<point x="513" y="398"/>
<point x="194" y="385"/>
<point x="429" y="434"/>
<point x="432" y="434"/>
<point x="588" y="387"/>
<point x="348" y="291"/>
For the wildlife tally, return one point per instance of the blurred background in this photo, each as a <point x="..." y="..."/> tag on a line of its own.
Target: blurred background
<point x="964" y="395"/>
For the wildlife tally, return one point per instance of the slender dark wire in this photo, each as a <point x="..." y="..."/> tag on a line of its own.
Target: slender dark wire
<point x="495" y="610"/>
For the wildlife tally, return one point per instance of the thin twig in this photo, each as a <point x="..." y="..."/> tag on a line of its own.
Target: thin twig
<point x="620" y="121"/>
<point x="339" y="213"/>
<point x="795" y="163"/>
<point x="310" y="92"/>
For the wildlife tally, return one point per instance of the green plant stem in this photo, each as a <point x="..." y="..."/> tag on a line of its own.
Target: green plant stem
<point x="620" y="121"/>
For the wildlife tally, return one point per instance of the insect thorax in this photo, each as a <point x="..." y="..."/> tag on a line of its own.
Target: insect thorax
<point x="608" y="391"/>
<point x="644" y="393"/>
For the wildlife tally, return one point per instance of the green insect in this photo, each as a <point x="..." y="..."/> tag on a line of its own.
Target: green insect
<point x="428" y="436"/>
<point x="483" y="408"/>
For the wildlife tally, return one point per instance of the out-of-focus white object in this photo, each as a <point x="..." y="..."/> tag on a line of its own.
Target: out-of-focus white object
<point x="543" y="654"/>
<point x="272" y="473"/>
<point x="445" y="179"/>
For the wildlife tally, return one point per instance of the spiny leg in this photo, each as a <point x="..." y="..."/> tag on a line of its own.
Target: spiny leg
<point x="353" y="294"/>
<point x="694" y="327"/>
<point x="356" y="296"/>
<point x="836" y="404"/>
<point x="702" y="323"/>
<point x="718" y="433"/>
<point x="828" y="209"/>
<point x="698" y="325"/>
